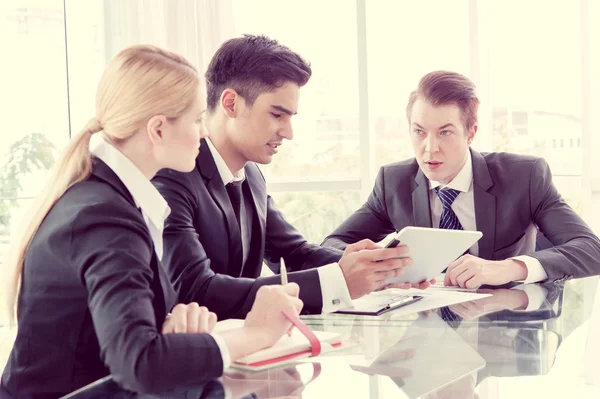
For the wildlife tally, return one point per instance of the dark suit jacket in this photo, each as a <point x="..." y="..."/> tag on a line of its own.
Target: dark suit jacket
<point x="93" y="298"/>
<point x="203" y="246"/>
<point x="513" y="193"/>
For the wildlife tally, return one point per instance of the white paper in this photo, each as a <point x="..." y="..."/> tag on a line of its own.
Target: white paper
<point x="439" y="283"/>
<point x="432" y="299"/>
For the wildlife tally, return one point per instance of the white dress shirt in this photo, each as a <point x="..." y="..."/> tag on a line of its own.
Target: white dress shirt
<point x="153" y="206"/>
<point x="464" y="208"/>
<point x="334" y="290"/>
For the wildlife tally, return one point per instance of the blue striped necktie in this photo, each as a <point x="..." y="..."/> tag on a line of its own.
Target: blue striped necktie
<point x="448" y="220"/>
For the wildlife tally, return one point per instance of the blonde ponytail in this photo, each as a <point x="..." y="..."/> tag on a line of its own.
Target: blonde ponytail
<point x="138" y="83"/>
<point x="74" y="165"/>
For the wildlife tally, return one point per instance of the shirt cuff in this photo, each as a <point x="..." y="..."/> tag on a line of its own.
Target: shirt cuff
<point x="334" y="290"/>
<point x="224" y="351"/>
<point x="536" y="295"/>
<point x="227" y="393"/>
<point x="535" y="271"/>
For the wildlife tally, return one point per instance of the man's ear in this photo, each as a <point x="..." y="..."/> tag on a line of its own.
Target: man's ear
<point x="471" y="134"/>
<point x="155" y="127"/>
<point x="229" y="102"/>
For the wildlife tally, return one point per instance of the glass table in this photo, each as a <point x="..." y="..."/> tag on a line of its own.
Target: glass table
<point x="495" y="347"/>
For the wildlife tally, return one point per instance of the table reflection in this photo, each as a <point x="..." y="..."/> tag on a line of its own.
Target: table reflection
<point x="464" y="351"/>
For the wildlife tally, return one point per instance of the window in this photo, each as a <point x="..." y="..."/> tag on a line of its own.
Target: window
<point x="326" y="133"/>
<point x="97" y="30"/>
<point x="544" y="92"/>
<point x="519" y="118"/>
<point x="317" y="213"/>
<point x="406" y="40"/>
<point x="35" y="118"/>
<point x="520" y="122"/>
<point x="325" y="143"/>
<point x="535" y="107"/>
<point x="34" y="96"/>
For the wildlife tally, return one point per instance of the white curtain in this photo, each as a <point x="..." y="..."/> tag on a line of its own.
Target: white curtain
<point x="193" y="28"/>
<point x="97" y="30"/>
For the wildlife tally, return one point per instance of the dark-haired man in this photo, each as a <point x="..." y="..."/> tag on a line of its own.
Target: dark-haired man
<point x="449" y="185"/>
<point x="223" y="224"/>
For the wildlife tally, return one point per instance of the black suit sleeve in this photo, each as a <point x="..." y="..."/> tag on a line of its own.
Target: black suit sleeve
<point x="111" y="252"/>
<point x="370" y="221"/>
<point x="190" y="268"/>
<point x="576" y="251"/>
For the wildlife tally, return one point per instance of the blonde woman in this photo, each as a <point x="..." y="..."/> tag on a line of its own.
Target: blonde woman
<point x="93" y="296"/>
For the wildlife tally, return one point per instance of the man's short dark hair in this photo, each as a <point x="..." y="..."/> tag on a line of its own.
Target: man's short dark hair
<point x="252" y="65"/>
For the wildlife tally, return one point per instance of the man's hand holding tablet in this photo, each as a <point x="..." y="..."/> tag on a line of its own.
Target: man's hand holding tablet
<point x="367" y="266"/>
<point x="431" y="251"/>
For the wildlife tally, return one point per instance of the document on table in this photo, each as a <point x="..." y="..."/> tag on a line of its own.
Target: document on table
<point x="439" y="283"/>
<point x="432" y="299"/>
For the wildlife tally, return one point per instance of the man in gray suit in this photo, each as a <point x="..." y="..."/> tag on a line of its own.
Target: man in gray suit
<point x="449" y="185"/>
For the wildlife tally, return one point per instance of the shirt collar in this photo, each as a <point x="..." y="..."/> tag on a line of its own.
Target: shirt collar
<point x="145" y="195"/>
<point x="463" y="180"/>
<point x="222" y="167"/>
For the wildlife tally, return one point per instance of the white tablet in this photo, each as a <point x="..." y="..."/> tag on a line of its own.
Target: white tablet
<point x="431" y="250"/>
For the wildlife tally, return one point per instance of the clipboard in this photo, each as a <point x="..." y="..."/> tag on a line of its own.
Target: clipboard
<point x="378" y="307"/>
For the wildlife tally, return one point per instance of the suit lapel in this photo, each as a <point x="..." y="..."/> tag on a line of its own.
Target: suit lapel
<point x="216" y="188"/>
<point x="105" y="173"/>
<point x="259" y="199"/>
<point x="485" y="205"/>
<point x="167" y="287"/>
<point x="420" y="201"/>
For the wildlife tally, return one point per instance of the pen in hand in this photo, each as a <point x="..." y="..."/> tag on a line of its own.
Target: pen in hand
<point x="284" y="281"/>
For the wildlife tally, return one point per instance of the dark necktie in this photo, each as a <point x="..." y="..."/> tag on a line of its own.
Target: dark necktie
<point x="234" y="189"/>
<point x="448" y="219"/>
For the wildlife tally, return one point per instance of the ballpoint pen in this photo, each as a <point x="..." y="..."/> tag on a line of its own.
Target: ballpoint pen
<point x="283" y="272"/>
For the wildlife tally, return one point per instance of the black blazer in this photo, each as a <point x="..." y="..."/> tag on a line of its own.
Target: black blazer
<point x="513" y="194"/>
<point x="203" y="246"/>
<point x="93" y="299"/>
